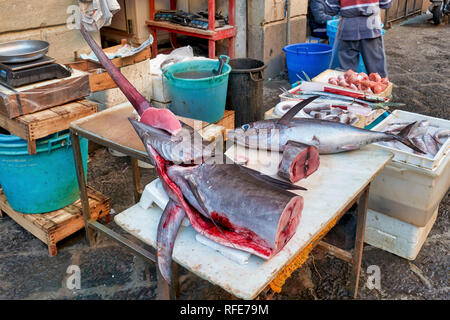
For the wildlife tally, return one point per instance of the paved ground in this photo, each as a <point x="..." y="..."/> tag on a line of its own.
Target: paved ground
<point x="418" y="58"/>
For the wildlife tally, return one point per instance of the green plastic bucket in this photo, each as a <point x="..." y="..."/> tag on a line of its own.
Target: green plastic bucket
<point x="45" y="181"/>
<point x="202" y="99"/>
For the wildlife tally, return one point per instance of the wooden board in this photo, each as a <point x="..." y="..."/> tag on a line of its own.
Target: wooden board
<point x="37" y="125"/>
<point x="52" y="227"/>
<point x="339" y="179"/>
<point x="43" y="95"/>
<point x="327" y="74"/>
<point x="99" y="79"/>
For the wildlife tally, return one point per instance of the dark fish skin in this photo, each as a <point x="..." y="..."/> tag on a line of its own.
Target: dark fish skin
<point x="327" y="136"/>
<point x="250" y="213"/>
<point x="224" y="202"/>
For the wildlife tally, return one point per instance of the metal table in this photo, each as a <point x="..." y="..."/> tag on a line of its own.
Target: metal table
<point x="112" y="129"/>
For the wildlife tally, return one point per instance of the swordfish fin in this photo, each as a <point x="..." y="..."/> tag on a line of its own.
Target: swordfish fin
<point x="168" y="226"/>
<point x="287" y="117"/>
<point x="403" y="137"/>
<point x="284" y="185"/>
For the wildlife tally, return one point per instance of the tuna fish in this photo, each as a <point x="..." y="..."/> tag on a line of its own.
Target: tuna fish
<point x="327" y="136"/>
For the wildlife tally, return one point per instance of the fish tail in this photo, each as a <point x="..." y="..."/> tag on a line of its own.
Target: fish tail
<point x="408" y="143"/>
<point x="168" y="226"/>
<point x="403" y="137"/>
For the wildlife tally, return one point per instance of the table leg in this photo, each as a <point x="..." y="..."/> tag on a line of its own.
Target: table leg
<point x="136" y="179"/>
<point x="212" y="49"/>
<point x="154" y="44"/>
<point x="82" y="186"/>
<point x="166" y="291"/>
<point x="359" y="243"/>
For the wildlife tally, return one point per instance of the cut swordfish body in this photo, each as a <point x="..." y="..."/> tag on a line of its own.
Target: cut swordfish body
<point x="226" y="203"/>
<point x="299" y="161"/>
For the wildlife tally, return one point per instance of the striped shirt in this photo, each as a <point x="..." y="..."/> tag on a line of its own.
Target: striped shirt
<point x="360" y="18"/>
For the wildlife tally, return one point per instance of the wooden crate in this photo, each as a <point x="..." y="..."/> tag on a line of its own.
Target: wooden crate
<point x="37" y="125"/>
<point x="99" y="79"/>
<point x="52" y="227"/>
<point x="327" y="74"/>
<point x="362" y="122"/>
<point x="43" y="95"/>
<point x="210" y="130"/>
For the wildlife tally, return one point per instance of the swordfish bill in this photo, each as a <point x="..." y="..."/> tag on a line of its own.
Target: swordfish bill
<point x="159" y="118"/>
<point x="224" y="202"/>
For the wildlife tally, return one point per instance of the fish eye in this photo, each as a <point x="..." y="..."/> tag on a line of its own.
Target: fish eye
<point x="245" y="127"/>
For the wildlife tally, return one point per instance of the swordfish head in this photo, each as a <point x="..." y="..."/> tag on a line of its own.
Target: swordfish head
<point x="184" y="148"/>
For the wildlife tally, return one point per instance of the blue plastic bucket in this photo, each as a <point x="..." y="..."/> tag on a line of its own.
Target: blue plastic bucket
<point x="311" y="58"/>
<point x="332" y="27"/>
<point x="45" y="181"/>
<point x="202" y="99"/>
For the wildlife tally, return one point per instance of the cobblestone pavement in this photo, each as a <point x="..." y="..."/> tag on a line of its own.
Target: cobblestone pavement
<point x="418" y="58"/>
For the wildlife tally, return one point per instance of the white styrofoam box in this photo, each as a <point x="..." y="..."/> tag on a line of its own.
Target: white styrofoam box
<point x="411" y="158"/>
<point x="396" y="236"/>
<point x="155" y="193"/>
<point x="139" y="76"/>
<point x="408" y="193"/>
<point x="406" y="189"/>
<point x="160" y="88"/>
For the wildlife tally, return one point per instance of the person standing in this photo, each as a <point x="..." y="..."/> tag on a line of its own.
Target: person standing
<point x="317" y="18"/>
<point x="360" y="32"/>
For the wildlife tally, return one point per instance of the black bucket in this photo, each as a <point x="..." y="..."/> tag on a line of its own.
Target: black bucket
<point x="245" y="90"/>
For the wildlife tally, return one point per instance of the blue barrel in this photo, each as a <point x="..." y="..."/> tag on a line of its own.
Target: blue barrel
<point x="42" y="182"/>
<point x="311" y="58"/>
<point x="332" y="27"/>
<point x="202" y="99"/>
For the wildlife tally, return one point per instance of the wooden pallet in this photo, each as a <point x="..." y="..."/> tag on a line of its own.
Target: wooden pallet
<point x="31" y="127"/>
<point x="52" y="227"/>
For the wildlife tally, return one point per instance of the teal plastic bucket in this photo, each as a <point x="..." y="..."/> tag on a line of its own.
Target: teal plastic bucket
<point x="332" y="27"/>
<point x="202" y="99"/>
<point x="310" y="58"/>
<point x="45" y="181"/>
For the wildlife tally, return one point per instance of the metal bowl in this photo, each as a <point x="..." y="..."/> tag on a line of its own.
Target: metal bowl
<point x="22" y="51"/>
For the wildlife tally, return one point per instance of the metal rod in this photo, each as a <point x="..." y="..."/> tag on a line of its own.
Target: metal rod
<point x="137" y="154"/>
<point x="359" y="242"/>
<point x="136" y="179"/>
<point x="90" y="235"/>
<point x="122" y="240"/>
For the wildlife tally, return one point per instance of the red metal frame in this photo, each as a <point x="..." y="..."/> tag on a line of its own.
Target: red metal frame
<point x="213" y="36"/>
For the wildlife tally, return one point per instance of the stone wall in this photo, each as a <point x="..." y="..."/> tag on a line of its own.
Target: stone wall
<point x="36" y="20"/>
<point x="268" y="26"/>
